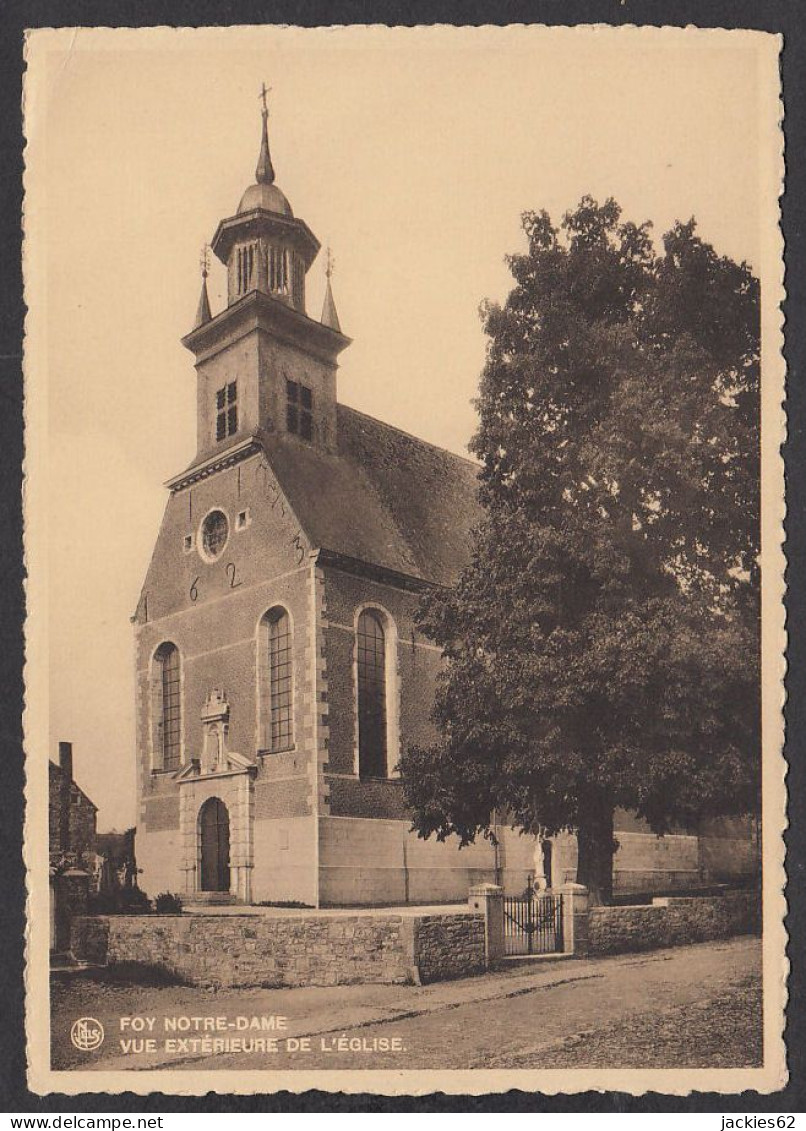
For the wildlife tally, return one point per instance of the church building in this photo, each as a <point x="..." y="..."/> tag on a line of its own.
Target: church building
<point x="280" y="673"/>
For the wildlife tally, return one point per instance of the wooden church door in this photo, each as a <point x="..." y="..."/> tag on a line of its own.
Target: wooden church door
<point x="214" y="821"/>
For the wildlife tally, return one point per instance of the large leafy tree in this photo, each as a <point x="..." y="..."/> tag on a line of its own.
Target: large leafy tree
<point x="602" y="646"/>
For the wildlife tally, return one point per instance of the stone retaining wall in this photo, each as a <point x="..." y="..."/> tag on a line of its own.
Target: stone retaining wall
<point x="328" y="950"/>
<point x="673" y="922"/>
<point x="318" y="950"/>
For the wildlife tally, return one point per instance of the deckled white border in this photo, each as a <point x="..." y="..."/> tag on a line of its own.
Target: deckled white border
<point x="772" y="1075"/>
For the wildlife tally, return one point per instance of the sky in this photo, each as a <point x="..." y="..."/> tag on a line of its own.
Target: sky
<point x="412" y="154"/>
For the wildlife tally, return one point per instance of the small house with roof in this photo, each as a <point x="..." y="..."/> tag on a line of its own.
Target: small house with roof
<point x="72" y="816"/>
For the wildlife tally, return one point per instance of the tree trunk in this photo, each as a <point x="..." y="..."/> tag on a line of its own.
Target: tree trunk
<point x="596" y="848"/>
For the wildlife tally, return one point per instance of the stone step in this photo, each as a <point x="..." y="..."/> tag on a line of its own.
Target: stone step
<point x="210" y="899"/>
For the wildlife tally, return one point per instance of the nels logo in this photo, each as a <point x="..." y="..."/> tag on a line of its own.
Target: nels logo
<point x="87" y="1034"/>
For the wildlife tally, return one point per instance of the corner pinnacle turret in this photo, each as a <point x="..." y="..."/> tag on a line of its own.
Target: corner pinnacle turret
<point x="203" y="310"/>
<point x="264" y="173"/>
<point x="329" y="316"/>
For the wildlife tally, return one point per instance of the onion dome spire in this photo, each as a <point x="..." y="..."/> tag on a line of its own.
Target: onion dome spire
<point x="264" y="173"/>
<point x="329" y="316"/>
<point x="203" y="310"/>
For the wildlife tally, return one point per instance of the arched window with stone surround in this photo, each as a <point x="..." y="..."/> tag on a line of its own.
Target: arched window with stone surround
<point x="167" y="707"/>
<point x="372" y="695"/>
<point x="276" y="680"/>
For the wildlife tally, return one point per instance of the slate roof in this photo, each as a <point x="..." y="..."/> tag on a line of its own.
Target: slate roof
<point x="387" y="498"/>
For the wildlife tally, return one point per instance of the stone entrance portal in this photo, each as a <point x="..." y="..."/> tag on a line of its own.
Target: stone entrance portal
<point x="214" y="845"/>
<point x="216" y="813"/>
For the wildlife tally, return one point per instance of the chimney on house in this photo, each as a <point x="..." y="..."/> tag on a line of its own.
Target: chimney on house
<point x="66" y="766"/>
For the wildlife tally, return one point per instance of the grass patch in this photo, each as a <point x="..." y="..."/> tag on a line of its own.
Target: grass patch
<point x="287" y="903"/>
<point x="135" y="974"/>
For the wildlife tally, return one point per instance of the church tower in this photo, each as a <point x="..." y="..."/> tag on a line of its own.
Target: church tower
<point x="280" y="667"/>
<point x="225" y="652"/>
<point x="262" y="363"/>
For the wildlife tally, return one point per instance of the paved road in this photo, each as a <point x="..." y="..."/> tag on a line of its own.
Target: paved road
<point x="698" y="1006"/>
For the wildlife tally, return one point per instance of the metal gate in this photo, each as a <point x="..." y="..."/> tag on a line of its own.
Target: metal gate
<point x="533" y="922"/>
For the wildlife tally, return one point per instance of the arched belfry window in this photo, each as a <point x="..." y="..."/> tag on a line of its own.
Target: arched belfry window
<point x="276" y="677"/>
<point x="279" y="270"/>
<point x="167" y="702"/>
<point x="245" y="267"/>
<point x="371" y="663"/>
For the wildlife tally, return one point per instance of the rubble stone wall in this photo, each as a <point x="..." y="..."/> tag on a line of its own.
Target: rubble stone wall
<point x="303" y="950"/>
<point x="449" y="946"/>
<point x="673" y="922"/>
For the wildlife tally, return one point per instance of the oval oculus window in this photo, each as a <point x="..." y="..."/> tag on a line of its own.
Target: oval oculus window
<point x="215" y="532"/>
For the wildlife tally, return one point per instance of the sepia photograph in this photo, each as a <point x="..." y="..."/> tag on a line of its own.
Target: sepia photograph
<point x="403" y="528"/>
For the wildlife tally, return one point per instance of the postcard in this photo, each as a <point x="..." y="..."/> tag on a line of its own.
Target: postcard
<point x="404" y="536"/>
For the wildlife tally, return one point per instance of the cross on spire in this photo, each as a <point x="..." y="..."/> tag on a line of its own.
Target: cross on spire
<point x="329" y="316"/>
<point x="203" y="309"/>
<point x="264" y="92"/>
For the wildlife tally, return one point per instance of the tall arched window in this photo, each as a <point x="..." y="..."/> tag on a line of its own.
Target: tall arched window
<point x="168" y="706"/>
<point x="276" y="678"/>
<point x="371" y="642"/>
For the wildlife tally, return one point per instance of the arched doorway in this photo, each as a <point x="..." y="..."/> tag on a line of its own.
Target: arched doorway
<point x="214" y="838"/>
